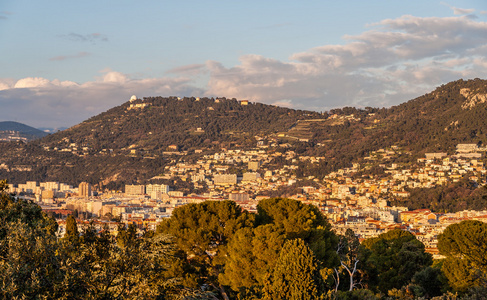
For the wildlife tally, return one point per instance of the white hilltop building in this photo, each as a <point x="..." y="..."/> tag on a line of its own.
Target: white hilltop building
<point x="136" y="105"/>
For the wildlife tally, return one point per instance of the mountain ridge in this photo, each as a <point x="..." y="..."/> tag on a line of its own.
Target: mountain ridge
<point x="135" y="140"/>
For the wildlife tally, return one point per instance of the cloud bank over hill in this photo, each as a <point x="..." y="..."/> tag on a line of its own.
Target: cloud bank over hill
<point x="393" y="61"/>
<point x="52" y="103"/>
<point x="396" y="60"/>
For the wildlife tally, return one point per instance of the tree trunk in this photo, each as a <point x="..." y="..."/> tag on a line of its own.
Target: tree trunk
<point x="224" y="294"/>
<point x="351" y="273"/>
<point x="337" y="279"/>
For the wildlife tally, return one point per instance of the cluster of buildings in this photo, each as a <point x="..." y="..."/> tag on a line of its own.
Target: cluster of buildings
<point x="254" y="175"/>
<point x="44" y="192"/>
<point x="11" y="135"/>
<point x="359" y="202"/>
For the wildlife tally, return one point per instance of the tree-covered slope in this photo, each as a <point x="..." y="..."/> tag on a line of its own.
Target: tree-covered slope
<point x="130" y="142"/>
<point x="436" y="122"/>
<point x="454" y="113"/>
<point x="126" y="144"/>
<point x="187" y="123"/>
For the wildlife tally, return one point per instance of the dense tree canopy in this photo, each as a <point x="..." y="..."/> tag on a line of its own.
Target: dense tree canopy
<point x="28" y="265"/>
<point x="394" y="258"/>
<point x="202" y="231"/>
<point x="237" y="249"/>
<point x="453" y="197"/>
<point x="251" y="254"/>
<point x="296" y="274"/>
<point x="35" y="264"/>
<point x="302" y="221"/>
<point x="464" y="244"/>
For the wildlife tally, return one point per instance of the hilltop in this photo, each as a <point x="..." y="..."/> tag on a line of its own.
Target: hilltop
<point x="136" y="140"/>
<point x="17" y="131"/>
<point x="153" y="124"/>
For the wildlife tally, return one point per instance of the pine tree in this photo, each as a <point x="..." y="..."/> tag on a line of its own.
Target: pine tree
<point x="296" y="274"/>
<point x="71" y="228"/>
<point x="393" y="259"/>
<point x="464" y="244"/>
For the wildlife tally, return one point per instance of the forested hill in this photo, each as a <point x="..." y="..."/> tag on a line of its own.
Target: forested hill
<point x="436" y="122"/>
<point x="20" y="130"/>
<point x="154" y="123"/>
<point x="453" y="113"/>
<point x="133" y="142"/>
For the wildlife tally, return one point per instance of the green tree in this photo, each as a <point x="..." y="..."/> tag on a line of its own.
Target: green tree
<point x="296" y="274"/>
<point x="14" y="209"/>
<point x="104" y="268"/>
<point x="302" y="221"/>
<point x="71" y="241"/>
<point x="71" y="227"/>
<point x="393" y="258"/>
<point x="464" y="244"/>
<point x="34" y="265"/>
<point x="251" y="255"/>
<point x="428" y="282"/>
<point x="71" y="235"/>
<point x="127" y="236"/>
<point x="202" y="231"/>
<point x="253" y="252"/>
<point x="29" y="267"/>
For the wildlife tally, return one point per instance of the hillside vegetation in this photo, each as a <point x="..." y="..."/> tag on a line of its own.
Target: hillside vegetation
<point x="134" y="141"/>
<point x="187" y="123"/>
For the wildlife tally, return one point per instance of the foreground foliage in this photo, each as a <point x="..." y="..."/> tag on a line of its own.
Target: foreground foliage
<point x="35" y="264"/>
<point x="215" y="250"/>
<point x="464" y="245"/>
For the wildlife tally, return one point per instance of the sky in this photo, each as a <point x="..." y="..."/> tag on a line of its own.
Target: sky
<point x="62" y="62"/>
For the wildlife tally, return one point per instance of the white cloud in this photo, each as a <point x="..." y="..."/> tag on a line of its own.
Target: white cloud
<point x="460" y="11"/>
<point x="54" y="103"/>
<point x="394" y="61"/>
<point x="115" y="77"/>
<point x="38" y="82"/>
<point x="32" y="82"/>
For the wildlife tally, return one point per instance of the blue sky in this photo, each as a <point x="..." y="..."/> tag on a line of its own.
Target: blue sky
<point x="64" y="61"/>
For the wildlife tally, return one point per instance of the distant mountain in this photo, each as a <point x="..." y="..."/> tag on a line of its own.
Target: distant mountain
<point x="133" y="142"/>
<point x="17" y="131"/>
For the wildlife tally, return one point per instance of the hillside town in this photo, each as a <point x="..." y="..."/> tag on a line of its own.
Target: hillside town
<point x="361" y="203"/>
